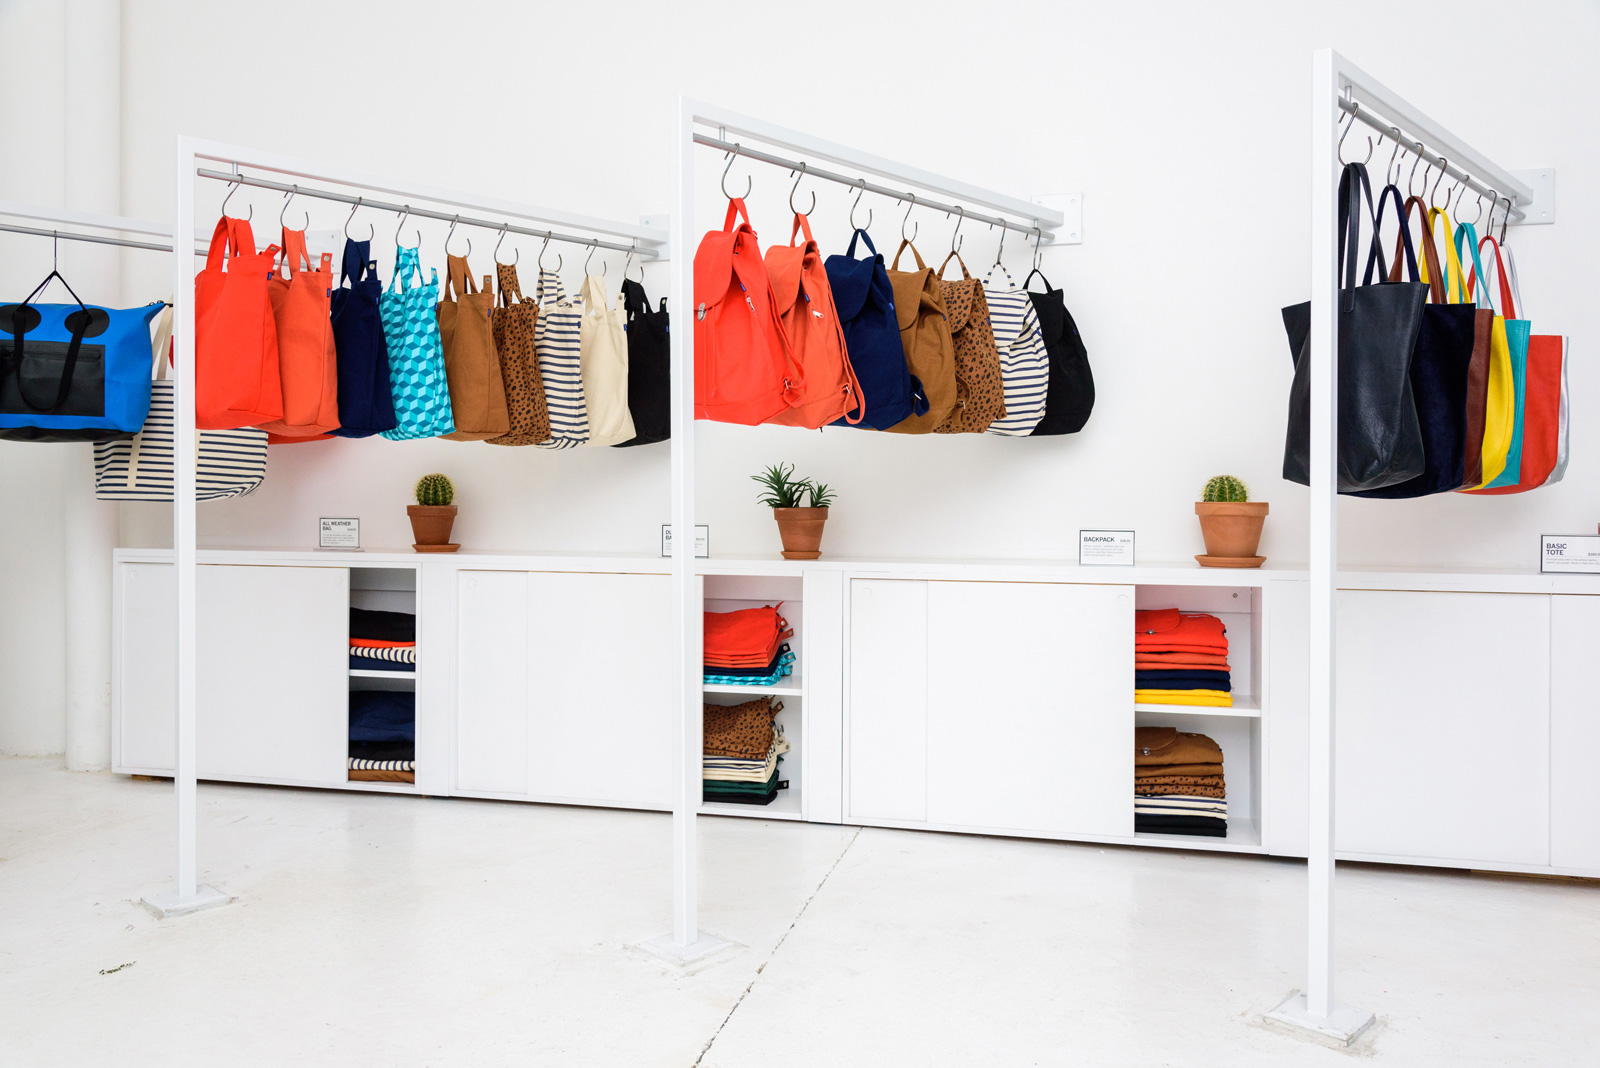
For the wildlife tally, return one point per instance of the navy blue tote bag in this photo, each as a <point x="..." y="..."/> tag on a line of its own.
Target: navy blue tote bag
<point x="366" y="403"/>
<point x="865" y="303"/>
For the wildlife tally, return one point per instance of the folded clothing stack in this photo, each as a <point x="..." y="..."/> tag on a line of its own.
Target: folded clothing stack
<point x="742" y="751"/>
<point x="1177" y="783"/>
<point x="383" y="736"/>
<point x="746" y="648"/>
<point x="1180" y="659"/>
<point x="383" y="641"/>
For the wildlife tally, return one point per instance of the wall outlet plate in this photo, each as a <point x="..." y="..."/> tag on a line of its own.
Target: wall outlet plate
<point x="1543" y="209"/>
<point x="1070" y="205"/>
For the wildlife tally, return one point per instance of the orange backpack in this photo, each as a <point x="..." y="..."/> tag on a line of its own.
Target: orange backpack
<point x="805" y="304"/>
<point x="744" y="367"/>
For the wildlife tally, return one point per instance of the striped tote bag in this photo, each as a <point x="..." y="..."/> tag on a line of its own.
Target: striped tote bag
<point x="1024" y="364"/>
<point x="557" y="345"/>
<point x="232" y="463"/>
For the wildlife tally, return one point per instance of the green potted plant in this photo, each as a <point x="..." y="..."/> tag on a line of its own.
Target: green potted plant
<point x="1230" y="523"/>
<point x="801" y="508"/>
<point x="433" y="515"/>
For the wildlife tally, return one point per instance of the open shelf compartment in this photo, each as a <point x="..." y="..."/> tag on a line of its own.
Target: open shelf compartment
<point x="385" y="589"/>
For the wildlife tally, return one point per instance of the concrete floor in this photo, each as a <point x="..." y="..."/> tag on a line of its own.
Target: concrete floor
<point x="374" y="930"/>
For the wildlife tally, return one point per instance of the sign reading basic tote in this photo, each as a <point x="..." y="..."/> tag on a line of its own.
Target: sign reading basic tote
<point x="1106" y="547"/>
<point x="1571" y="554"/>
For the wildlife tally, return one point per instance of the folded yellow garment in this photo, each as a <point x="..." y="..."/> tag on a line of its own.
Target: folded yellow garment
<point x="1207" y="698"/>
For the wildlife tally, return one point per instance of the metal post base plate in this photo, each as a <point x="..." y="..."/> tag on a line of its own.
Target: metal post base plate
<point x="1340" y="1027"/>
<point x="166" y="906"/>
<point x="699" y="951"/>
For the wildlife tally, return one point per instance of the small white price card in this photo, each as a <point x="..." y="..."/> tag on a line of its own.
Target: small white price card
<point x="339" y="534"/>
<point x="702" y="540"/>
<point x="1569" y="554"/>
<point x="1113" y="548"/>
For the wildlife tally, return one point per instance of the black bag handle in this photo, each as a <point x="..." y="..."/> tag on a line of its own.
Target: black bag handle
<point x="1048" y="288"/>
<point x="1352" y="183"/>
<point x="18" y="351"/>
<point x="1375" y="258"/>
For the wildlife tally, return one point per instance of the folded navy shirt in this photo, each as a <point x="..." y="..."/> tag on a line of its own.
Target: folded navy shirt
<point x="1183" y="680"/>
<point x="383" y="716"/>
<point x="383" y="626"/>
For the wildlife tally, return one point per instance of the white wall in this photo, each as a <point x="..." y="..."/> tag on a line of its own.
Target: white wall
<point x="1185" y="126"/>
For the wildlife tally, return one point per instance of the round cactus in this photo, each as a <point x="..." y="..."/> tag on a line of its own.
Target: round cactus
<point x="1226" y="488"/>
<point x="435" y="490"/>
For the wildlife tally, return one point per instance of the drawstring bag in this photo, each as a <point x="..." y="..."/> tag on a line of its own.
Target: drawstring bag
<point x="925" y="339"/>
<point x="237" y="381"/>
<point x="307" y="361"/>
<point x="366" y="403"/>
<point x="557" y="340"/>
<point x="73" y="372"/>
<point x="864" y="300"/>
<point x="1442" y="359"/>
<point x="416" y="360"/>
<point x="514" y="323"/>
<point x="804" y="301"/>
<point x="229" y="463"/>
<point x="744" y="366"/>
<point x="980" y="391"/>
<point x="471" y="364"/>
<point x="1070" y="396"/>
<point x="1024" y="363"/>
<point x="603" y="357"/>
<point x="649" y="367"/>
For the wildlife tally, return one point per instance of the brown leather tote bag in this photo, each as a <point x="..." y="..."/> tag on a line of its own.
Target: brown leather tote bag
<point x="980" y="391"/>
<point x="513" y="324"/>
<point x="925" y="337"/>
<point x="477" y="391"/>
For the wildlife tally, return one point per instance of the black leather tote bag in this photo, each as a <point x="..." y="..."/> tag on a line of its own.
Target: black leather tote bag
<point x="1439" y="366"/>
<point x="1380" y="437"/>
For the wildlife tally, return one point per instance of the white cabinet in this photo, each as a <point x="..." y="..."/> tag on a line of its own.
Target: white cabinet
<point x="1574" y="733"/>
<point x="271" y="672"/>
<point x="144" y="731"/>
<point x="1443" y="726"/>
<point x="564" y="686"/>
<point x="998" y="705"/>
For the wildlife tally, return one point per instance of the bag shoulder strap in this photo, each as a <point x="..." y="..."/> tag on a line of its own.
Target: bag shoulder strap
<point x="510" y="286"/>
<point x="954" y="255"/>
<point x="1429" y="268"/>
<point x="458" y="278"/>
<point x="861" y="235"/>
<point x="1508" y="307"/>
<point x="1468" y="234"/>
<point x="161" y="346"/>
<point x="1457" y="282"/>
<point x="295" y="256"/>
<point x="904" y="244"/>
<point x="1026" y="282"/>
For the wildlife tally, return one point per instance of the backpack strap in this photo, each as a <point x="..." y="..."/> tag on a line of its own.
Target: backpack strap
<point x="904" y="244"/>
<point x="1026" y="282"/>
<point x="861" y="235"/>
<point x="509" y="285"/>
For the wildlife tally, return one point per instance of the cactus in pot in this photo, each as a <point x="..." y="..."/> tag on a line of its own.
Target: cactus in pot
<point x="1230" y="523"/>
<point x="433" y="515"/>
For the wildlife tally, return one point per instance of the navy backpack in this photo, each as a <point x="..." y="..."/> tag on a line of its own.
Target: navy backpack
<point x="865" y="303"/>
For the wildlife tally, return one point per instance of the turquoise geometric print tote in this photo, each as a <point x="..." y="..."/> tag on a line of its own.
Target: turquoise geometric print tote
<point x="416" y="356"/>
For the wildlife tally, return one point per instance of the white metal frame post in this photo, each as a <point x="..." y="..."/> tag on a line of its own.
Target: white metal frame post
<point x="687" y="943"/>
<point x="188" y="895"/>
<point x="1315" y="1009"/>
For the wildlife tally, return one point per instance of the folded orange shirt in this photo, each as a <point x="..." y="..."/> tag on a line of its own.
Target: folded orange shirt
<point x="1143" y="661"/>
<point x="1166" y="630"/>
<point x="374" y="643"/>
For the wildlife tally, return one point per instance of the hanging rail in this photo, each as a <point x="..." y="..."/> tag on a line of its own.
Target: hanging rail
<point x="1036" y="226"/>
<point x="65" y="235"/>
<point x="636" y="248"/>
<point x="1503" y="187"/>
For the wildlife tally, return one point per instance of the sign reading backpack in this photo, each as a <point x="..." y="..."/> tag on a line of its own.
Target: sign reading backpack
<point x="229" y="463"/>
<point x="237" y="380"/>
<point x="830" y="391"/>
<point x="925" y="339"/>
<point x="864" y="300"/>
<point x="744" y="366"/>
<point x="67" y="370"/>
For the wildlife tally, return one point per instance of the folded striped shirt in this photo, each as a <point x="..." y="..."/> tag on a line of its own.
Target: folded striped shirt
<point x="405" y="654"/>
<point x="358" y="764"/>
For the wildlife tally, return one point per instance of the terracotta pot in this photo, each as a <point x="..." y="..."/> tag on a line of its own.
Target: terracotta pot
<point x="801" y="531"/>
<point x="431" y="523"/>
<point x="1232" y="531"/>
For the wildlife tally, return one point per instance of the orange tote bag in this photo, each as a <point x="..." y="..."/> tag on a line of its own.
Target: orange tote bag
<point x="235" y="338"/>
<point x="306" y="359"/>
